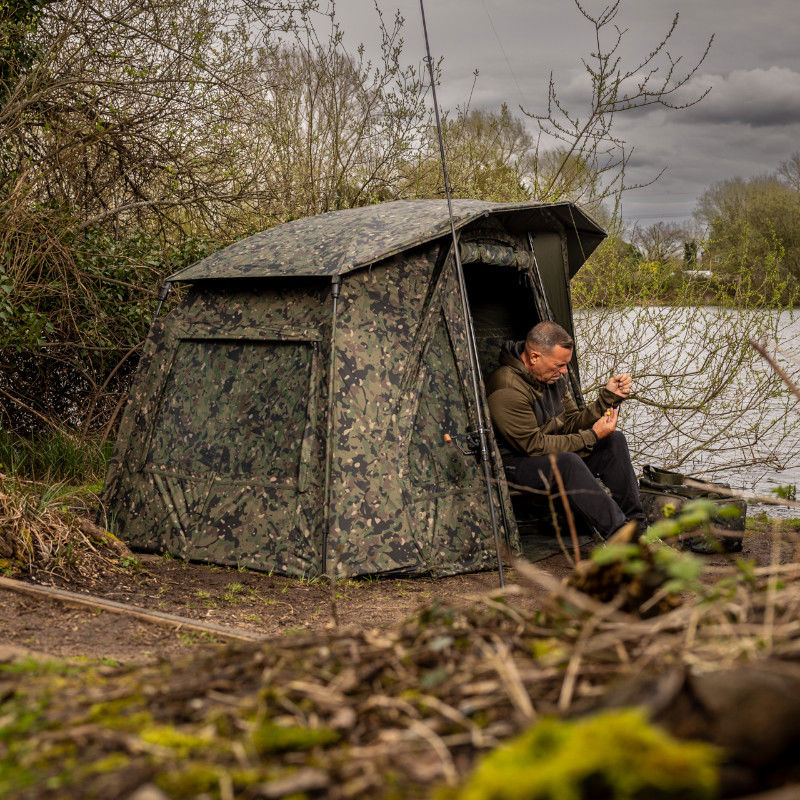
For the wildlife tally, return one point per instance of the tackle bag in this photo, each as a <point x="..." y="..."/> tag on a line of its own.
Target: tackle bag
<point x="663" y="494"/>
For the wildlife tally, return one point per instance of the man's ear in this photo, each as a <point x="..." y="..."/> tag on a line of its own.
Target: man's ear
<point x="530" y="356"/>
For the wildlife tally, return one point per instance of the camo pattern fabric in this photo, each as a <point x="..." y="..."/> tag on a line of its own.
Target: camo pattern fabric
<point x="415" y="503"/>
<point x="496" y="254"/>
<point x="403" y="501"/>
<point x="340" y="241"/>
<point x="220" y="454"/>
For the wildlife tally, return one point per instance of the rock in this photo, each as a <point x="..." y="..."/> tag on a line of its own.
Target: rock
<point x="751" y="711"/>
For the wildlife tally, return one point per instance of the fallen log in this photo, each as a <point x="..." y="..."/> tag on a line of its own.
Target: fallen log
<point x="115" y="607"/>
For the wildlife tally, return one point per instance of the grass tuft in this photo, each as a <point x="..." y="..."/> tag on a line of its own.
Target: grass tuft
<point x="47" y="529"/>
<point x="60" y="457"/>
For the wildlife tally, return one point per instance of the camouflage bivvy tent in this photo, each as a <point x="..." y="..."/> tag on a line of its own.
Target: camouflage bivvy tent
<point x="290" y="414"/>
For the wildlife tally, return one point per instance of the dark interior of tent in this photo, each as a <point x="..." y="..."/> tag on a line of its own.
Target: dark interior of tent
<point x="502" y="307"/>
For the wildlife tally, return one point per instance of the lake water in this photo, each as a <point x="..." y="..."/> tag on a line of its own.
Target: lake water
<point x="706" y="403"/>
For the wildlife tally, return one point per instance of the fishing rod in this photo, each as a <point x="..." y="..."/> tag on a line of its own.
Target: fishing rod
<point x="474" y="364"/>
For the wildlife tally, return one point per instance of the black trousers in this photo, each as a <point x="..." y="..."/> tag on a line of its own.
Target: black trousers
<point x="610" y="460"/>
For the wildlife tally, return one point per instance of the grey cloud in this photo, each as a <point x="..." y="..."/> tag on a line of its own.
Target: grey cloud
<point x="747" y="125"/>
<point x="757" y="97"/>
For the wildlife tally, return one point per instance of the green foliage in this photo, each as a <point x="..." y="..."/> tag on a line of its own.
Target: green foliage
<point x="54" y="457"/>
<point x="694" y="515"/>
<point x="18" y="23"/>
<point x="85" y="290"/>
<point x="753" y="230"/>
<point x="489" y="157"/>
<point x="131" y="563"/>
<point x="786" y="492"/>
<point x="616" y="275"/>
<point x="616" y="755"/>
<point x="679" y="570"/>
<point x="74" y="308"/>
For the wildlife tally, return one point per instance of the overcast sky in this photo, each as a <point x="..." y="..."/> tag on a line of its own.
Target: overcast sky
<point x="747" y="125"/>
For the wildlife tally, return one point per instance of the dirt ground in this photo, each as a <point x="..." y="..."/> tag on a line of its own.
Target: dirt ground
<point x="264" y="604"/>
<point x="243" y="599"/>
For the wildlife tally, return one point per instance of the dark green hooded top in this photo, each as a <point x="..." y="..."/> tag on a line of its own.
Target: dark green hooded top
<point x="534" y="418"/>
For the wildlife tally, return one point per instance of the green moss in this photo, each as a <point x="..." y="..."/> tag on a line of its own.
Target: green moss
<point x="131" y="723"/>
<point x="21" y="720"/>
<point x="121" y="714"/>
<point x="101" y="712"/>
<point x="71" y="773"/>
<point x="549" y="652"/>
<point x="31" y="667"/>
<point x="271" y="738"/>
<point x="10" y="566"/>
<point x="172" y="738"/>
<point x="110" y="763"/>
<point x="189" y="781"/>
<point x="198" y="778"/>
<point x="616" y="755"/>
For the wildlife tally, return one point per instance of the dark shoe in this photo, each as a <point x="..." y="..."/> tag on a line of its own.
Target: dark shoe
<point x="710" y="544"/>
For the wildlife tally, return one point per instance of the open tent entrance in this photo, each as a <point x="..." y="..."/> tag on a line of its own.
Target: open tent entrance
<point x="502" y="302"/>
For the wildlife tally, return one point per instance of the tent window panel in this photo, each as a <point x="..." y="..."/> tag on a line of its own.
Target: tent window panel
<point x="434" y="465"/>
<point x="235" y="409"/>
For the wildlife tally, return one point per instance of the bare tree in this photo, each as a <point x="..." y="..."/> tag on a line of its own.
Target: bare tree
<point x="789" y="171"/>
<point x="333" y="130"/>
<point x="704" y="405"/>
<point x="126" y="116"/>
<point x="137" y="133"/>
<point x="588" y="138"/>
<point x="661" y="241"/>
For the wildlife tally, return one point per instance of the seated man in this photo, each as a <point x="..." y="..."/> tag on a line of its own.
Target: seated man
<point x="534" y="416"/>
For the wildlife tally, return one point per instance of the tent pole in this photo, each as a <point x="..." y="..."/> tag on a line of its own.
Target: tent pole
<point x="335" y="287"/>
<point x="474" y="364"/>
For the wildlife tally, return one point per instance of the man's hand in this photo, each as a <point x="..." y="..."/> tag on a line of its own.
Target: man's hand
<point x="606" y="424"/>
<point x="620" y="385"/>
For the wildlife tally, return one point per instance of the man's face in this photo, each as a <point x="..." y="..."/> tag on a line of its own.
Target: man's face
<point x="549" y="365"/>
